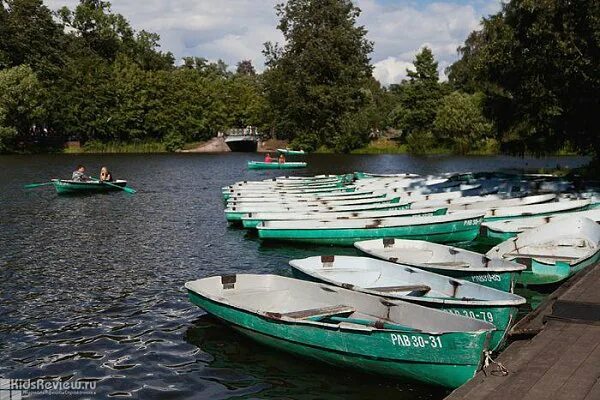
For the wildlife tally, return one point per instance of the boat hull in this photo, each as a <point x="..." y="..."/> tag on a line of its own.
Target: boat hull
<point x="504" y="281"/>
<point x="448" y="359"/>
<point x="441" y="232"/>
<point x="291" y="152"/>
<point x="538" y="273"/>
<point x="275" y="165"/>
<point x="252" y="223"/>
<point x="70" y="188"/>
<point x="502" y="317"/>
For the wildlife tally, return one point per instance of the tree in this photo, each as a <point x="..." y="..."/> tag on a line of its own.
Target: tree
<point x="315" y="81"/>
<point x="245" y="67"/>
<point x="537" y="62"/>
<point x="419" y="96"/>
<point x="29" y="35"/>
<point x="460" y="121"/>
<point x="21" y="103"/>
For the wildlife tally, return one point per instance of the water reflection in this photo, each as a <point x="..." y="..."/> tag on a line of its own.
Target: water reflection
<point x="237" y="362"/>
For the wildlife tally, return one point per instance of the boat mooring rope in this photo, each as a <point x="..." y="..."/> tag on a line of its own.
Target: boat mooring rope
<point x="500" y="371"/>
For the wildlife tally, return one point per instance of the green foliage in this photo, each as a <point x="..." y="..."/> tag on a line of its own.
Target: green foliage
<point x="97" y="147"/>
<point x="460" y="121"/>
<point x="316" y="80"/>
<point x="382" y="146"/>
<point x="418" y="97"/>
<point x="173" y="141"/>
<point x="30" y="36"/>
<point x="7" y="136"/>
<point x="537" y="62"/>
<point x="420" y="143"/>
<point x="21" y="97"/>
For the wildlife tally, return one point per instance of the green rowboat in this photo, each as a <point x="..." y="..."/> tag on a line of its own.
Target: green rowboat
<point x="446" y="260"/>
<point x="553" y="252"/>
<point x="72" y="187"/>
<point x="438" y="229"/>
<point x="417" y="286"/>
<point x="252" y="220"/>
<point x="494" y="232"/>
<point x="291" y="152"/>
<point x="235" y="214"/>
<point x="347" y="328"/>
<point x="275" y="165"/>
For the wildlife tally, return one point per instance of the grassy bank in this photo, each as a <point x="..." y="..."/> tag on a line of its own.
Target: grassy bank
<point x="117" y="148"/>
<point x="386" y="146"/>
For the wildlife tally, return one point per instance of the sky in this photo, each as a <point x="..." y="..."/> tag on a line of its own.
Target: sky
<point x="233" y="30"/>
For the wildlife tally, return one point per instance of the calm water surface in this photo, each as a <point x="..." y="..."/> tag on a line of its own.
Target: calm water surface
<point x="91" y="288"/>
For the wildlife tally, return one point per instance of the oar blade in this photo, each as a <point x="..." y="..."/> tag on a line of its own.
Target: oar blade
<point x="35" y="185"/>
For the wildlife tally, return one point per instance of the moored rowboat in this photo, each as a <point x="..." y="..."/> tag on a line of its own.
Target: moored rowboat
<point x="395" y="281"/>
<point x="439" y="229"/>
<point x="446" y="260"/>
<point x="275" y="165"/>
<point x="252" y="220"/>
<point x="236" y="213"/>
<point x="63" y="186"/>
<point x="553" y="252"/>
<point x="498" y="231"/>
<point x="347" y="328"/>
<point x="485" y="202"/>
<point x="291" y="152"/>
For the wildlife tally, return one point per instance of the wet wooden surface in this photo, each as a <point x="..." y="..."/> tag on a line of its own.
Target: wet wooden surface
<point x="562" y="361"/>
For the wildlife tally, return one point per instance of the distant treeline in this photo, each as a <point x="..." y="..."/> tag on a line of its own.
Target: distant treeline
<point x="528" y="81"/>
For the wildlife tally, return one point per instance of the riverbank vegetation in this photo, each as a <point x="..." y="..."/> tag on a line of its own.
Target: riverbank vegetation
<point x="525" y="83"/>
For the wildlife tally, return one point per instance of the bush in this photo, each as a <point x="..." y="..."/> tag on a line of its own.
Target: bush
<point x="7" y="136"/>
<point x="173" y="141"/>
<point x="420" y="142"/>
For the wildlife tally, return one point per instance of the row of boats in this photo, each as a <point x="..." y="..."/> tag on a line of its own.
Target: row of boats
<point x="414" y="306"/>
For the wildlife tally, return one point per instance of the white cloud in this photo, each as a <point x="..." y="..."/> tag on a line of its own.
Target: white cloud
<point x="236" y="29"/>
<point x="391" y="70"/>
<point x="401" y="30"/>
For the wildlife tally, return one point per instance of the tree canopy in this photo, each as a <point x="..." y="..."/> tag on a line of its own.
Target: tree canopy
<point x="537" y="64"/>
<point x="318" y="79"/>
<point x="528" y="80"/>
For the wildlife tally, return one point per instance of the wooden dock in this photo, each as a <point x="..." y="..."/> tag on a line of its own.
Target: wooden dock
<point x="557" y="354"/>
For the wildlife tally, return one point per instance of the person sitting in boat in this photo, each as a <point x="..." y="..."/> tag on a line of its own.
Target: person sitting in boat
<point x="281" y="159"/>
<point x="79" y="174"/>
<point x="268" y="158"/>
<point x="105" y="175"/>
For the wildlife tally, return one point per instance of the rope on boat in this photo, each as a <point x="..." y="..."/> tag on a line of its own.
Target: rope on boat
<point x="501" y="370"/>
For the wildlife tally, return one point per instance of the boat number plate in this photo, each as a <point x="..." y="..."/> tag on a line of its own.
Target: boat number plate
<point x="415" y="340"/>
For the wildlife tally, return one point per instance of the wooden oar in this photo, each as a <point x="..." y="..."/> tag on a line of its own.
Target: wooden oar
<point x="124" y="188"/>
<point x="35" y="185"/>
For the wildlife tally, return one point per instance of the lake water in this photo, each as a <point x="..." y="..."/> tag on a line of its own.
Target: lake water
<point x="91" y="288"/>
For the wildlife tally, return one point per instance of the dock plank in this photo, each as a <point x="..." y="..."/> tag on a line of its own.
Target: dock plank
<point x="539" y="361"/>
<point x="561" y="362"/>
<point x="586" y="376"/>
<point x="558" y="375"/>
<point x="594" y="394"/>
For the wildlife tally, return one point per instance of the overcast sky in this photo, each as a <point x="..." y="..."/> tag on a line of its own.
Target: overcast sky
<point x="236" y="29"/>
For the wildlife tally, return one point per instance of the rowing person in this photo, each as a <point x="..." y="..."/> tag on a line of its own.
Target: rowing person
<point x="268" y="158"/>
<point x="105" y="175"/>
<point x="79" y="174"/>
<point x="281" y="159"/>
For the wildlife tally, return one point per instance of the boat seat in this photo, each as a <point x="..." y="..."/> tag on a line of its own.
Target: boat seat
<point x="404" y="288"/>
<point x="557" y="257"/>
<point x="319" y="313"/>
<point x="453" y="264"/>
